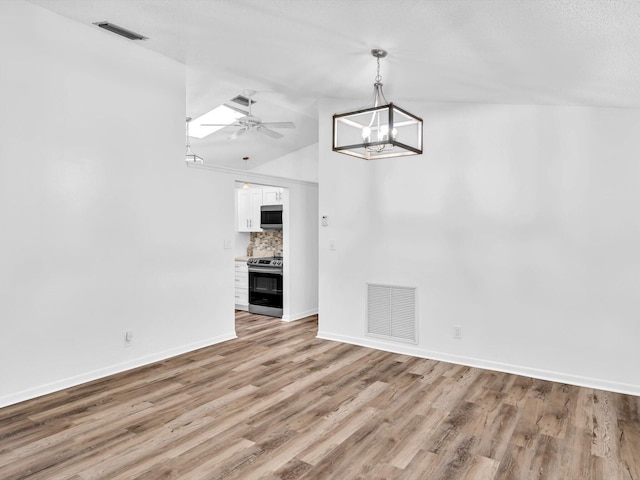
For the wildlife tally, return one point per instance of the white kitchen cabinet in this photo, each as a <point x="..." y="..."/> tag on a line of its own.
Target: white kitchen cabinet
<point x="242" y="285"/>
<point x="248" y="206"/>
<point x="272" y="196"/>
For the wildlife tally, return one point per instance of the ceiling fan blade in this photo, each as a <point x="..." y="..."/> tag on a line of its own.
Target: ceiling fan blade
<point x="237" y="133"/>
<point x="279" y="124"/>
<point x="219" y="124"/>
<point x="269" y="133"/>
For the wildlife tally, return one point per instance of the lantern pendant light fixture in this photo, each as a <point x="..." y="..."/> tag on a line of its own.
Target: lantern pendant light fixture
<point x="190" y="157"/>
<point x="382" y="130"/>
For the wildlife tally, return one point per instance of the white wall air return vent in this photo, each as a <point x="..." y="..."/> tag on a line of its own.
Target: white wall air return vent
<point x="391" y="312"/>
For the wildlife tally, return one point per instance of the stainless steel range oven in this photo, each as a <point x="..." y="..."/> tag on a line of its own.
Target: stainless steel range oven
<point x="265" y="286"/>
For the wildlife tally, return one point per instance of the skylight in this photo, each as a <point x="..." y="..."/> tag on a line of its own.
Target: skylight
<point x="222" y="116"/>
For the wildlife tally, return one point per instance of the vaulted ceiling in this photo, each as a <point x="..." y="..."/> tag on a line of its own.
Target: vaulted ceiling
<point x="295" y="52"/>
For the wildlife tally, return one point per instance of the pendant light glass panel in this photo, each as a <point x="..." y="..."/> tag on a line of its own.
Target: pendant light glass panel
<point x="378" y="132"/>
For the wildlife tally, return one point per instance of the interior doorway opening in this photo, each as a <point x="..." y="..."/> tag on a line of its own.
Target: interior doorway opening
<point x="260" y="246"/>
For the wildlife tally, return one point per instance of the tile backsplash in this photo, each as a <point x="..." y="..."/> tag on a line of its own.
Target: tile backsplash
<point x="270" y="240"/>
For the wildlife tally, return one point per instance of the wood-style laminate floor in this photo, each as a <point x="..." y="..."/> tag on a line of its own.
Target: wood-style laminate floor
<point x="278" y="403"/>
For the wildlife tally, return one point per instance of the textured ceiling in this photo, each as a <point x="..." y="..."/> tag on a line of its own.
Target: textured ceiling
<point x="293" y="52"/>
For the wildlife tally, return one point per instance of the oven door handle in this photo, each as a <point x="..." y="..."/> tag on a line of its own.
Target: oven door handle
<point x="265" y="270"/>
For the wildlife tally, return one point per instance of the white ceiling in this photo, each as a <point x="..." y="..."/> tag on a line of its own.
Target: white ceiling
<point x="293" y="52"/>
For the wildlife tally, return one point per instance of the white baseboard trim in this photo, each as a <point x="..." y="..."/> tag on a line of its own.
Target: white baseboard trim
<point x="549" y="375"/>
<point x="299" y="315"/>
<point x="110" y="370"/>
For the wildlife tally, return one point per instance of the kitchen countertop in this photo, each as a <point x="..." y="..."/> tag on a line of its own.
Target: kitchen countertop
<point x="256" y="254"/>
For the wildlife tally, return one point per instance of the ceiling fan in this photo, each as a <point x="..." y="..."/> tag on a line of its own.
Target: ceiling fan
<point x="250" y="122"/>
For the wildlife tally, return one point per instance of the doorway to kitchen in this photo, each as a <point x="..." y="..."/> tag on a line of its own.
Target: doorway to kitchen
<point x="259" y="248"/>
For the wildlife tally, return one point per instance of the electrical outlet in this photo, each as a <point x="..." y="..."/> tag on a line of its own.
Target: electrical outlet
<point x="457" y="332"/>
<point x="128" y="338"/>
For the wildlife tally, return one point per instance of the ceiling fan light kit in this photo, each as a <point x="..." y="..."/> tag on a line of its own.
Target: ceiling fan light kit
<point x="190" y="157"/>
<point x="382" y="130"/>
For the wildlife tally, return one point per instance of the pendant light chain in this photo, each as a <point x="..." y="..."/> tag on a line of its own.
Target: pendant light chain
<point x="188" y="120"/>
<point x="378" y="96"/>
<point x="191" y="157"/>
<point x="246" y="185"/>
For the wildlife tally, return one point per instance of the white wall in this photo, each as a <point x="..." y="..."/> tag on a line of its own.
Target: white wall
<point x="518" y="223"/>
<point x="301" y="251"/>
<point x="103" y="228"/>
<point x="299" y="165"/>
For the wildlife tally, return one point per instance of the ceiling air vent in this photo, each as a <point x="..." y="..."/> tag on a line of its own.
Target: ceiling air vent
<point x="242" y="100"/>
<point x="120" y="31"/>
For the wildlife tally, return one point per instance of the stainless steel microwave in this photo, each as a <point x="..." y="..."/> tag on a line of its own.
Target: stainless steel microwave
<point x="271" y="217"/>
